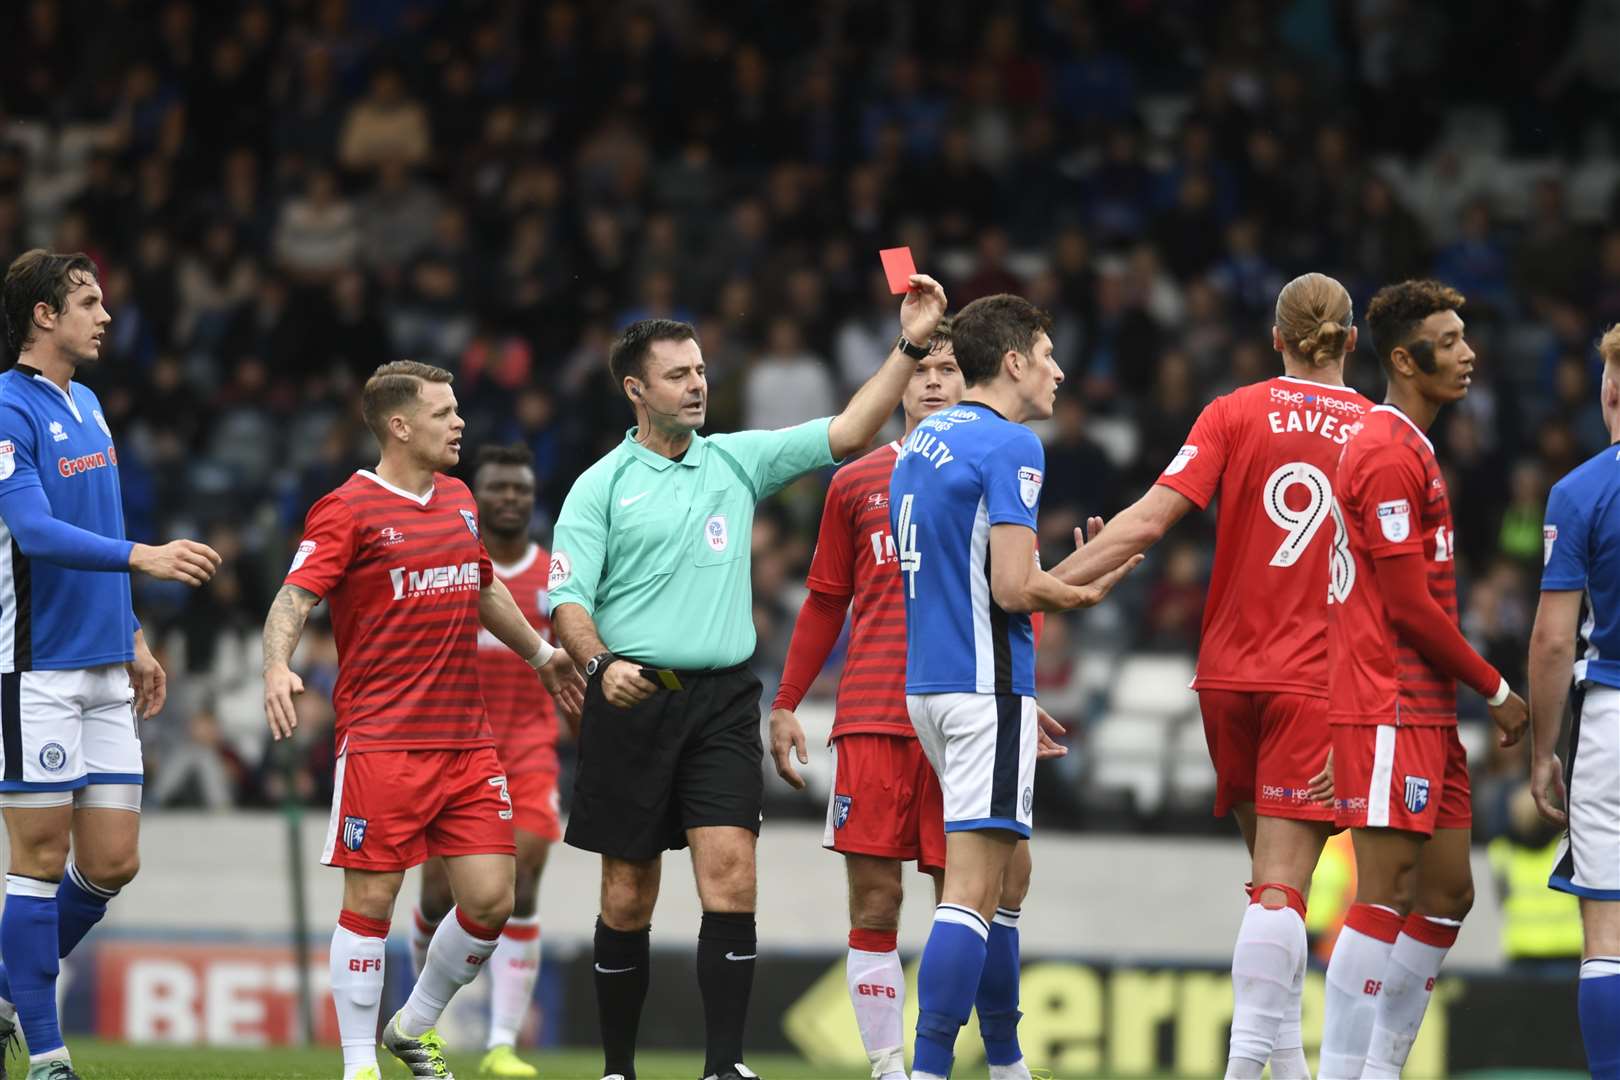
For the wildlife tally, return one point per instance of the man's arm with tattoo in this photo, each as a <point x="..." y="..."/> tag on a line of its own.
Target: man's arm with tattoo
<point x="282" y="627"/>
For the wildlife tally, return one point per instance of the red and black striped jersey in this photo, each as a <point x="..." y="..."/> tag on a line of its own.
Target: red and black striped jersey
<point x="522" y="714"/>
<point x="402" y="574"/>
<point x="1394" y="503"/>
<point x="855" y="556"/>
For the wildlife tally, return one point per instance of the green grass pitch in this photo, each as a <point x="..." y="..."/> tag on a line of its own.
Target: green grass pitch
<point x="115" y="1061"/>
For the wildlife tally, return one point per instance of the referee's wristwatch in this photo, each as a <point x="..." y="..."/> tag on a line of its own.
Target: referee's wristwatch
<point x="916" y="352"/>
<point x="596" y="663"/>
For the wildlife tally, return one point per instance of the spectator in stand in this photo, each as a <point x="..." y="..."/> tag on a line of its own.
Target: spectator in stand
<point x="787" y="385"/>
<point x="317" y="236"/>
<point x="387" y="125"/>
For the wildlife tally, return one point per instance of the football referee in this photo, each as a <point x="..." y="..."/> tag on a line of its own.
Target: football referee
<point x="650" y="574"/>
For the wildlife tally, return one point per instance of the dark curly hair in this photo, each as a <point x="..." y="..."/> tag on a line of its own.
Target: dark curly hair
<point x="1398" y="310"/>
<point x="505" y="454"/>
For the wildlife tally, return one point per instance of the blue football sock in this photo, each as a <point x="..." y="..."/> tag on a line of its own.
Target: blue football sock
<point x="28" y="941"/>
<point x="80" y="904"/>
<point x="952" y="962"/>
<point x="997" y="1000"/>
<point x="1600" y="1016"/>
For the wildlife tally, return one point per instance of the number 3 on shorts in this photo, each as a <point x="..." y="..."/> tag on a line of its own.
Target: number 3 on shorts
<point x="506" y="796"/>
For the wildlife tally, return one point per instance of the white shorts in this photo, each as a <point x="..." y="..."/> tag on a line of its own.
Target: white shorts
<point x="62" y="730"/>
<point x="982" y="746"/>
<point x="1588" y="862"/>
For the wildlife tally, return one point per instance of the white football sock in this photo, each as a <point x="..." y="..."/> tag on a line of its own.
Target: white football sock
<point x="1288" y="1055"/>
<point x="1408" y="983"/>
<point x="421" y="937"/>
<point x="513" y="969"/>
<point x="1353" y="975"/>
<point x="1018" y="1070"/>
<point x="877" y="989"/>
<point x="454" y="959"/>
<point x="1270" y="945"/>
<point x="357" y="984"/>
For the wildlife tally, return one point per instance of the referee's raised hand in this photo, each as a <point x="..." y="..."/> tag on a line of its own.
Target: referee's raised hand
<point x="624" y="686"/>
<point x="185" y="561"/>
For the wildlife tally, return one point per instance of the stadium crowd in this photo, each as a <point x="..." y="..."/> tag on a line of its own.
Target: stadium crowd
<point x="282" y="196"/>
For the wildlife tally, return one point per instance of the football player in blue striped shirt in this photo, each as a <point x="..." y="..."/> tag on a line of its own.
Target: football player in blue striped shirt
<point x="75" y="673"/>
<point x="1577" y="634"/>
<point x="963" y="499"/>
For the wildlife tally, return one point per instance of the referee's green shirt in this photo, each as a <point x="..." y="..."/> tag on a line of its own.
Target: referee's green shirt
<point x="657" y="551"/>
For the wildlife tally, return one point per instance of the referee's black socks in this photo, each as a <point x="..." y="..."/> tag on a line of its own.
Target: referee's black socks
<point x="622" y="973"/>
<point x="727" y="944"/>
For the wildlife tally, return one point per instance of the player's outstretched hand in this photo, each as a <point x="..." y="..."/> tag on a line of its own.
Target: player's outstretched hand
<point x="922" y="309"/>
<point x="1320" y="789"/>
<point x="280" y="684"/>
<point x="787" y="735"/>
<point x="179" y="560"/>
<point x="1547" y="785"/>
<point x="1048" y="731"/>
<point x="623" y="685"/>
<point x="1097" y="590"/>
<point x="566" y="685"/>
<point x="1512" y="718"/>
<point x="146" y="677"/>
<point x="1094" y="525"/>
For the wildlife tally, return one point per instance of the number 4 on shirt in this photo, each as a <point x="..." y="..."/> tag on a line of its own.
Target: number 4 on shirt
<point x="910" y="557"/>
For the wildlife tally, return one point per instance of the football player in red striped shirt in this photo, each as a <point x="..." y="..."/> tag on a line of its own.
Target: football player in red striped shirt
<point x="396" y="552"/>
<point x="886" y="807"/>
<point x="525" y="725"/>
<point x="1396" y="655"/>
<point x="1267" y="452"/>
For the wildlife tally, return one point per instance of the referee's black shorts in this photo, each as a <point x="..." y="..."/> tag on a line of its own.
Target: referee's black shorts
<point x="680" y="760"/>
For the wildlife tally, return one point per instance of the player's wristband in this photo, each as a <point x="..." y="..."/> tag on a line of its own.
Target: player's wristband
<point x="1501" y="695"/>
<point x="542" y="656"/>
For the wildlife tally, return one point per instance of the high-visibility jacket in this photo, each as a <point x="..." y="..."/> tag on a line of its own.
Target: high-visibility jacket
<point x="1538" y="923"/>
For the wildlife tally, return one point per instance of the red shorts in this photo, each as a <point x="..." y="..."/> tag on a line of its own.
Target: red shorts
<point x="1407" y="777"/>
<point x="885" y="801"/>
<point x="393" y="809"/>
<point x="534" y="803"/>
<point x="1266" y="747"/>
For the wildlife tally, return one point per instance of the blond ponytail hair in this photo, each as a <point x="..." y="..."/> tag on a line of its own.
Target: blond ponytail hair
<point x="1314" y="319"/>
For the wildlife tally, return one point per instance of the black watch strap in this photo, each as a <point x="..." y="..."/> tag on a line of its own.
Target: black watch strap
<point x="595" y="664"/>
<point x="916" y="352"/>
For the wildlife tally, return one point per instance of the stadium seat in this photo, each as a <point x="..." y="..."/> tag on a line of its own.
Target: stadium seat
<point x="1128" y="752"/>
<point x="1153" y="683"/>
<point x="1192" y="776"/>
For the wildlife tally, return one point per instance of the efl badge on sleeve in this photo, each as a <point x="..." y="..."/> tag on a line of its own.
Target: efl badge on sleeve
<point x="354" y="832"/>
<point x="1417" y="794"/>
<point x="472" y="522"/>
<point x="1395" y="519"/>
<point x="1029" y="486"/>
<point x="1549" y="537"/>
<point x="840" y="810"/>
<point x="8" y="458"/>
<point x="1182" y="459"/>
<point x="305" y="550"/>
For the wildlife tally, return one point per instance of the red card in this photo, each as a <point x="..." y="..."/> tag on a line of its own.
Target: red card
<point x="898" y="266"/>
